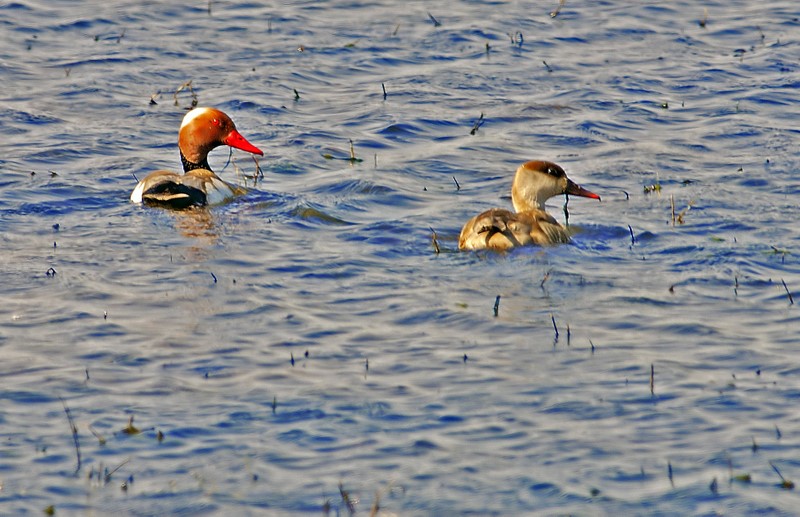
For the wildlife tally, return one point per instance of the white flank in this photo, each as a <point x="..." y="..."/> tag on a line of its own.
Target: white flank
<point x="136" y="195"/>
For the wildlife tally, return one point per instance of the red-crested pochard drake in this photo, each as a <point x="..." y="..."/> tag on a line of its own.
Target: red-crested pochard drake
<point x="202" y="130"/>
<point x="534" y="183"/>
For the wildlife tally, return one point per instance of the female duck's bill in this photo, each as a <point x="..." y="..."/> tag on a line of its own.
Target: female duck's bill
<point x="202" y="130"/>
<point x="534" y="183"/>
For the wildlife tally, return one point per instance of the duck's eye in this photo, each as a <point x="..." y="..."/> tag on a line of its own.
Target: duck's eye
<point x="215" y="121"/>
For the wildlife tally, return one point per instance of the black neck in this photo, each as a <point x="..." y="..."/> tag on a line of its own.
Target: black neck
<point x="190" y="166"/>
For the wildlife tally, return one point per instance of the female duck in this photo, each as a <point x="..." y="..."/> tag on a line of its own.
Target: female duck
<point x="202" y="130"/>
<point x="534" y="183"/>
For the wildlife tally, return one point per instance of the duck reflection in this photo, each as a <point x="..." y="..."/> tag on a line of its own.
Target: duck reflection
<point x="198" y="223"/>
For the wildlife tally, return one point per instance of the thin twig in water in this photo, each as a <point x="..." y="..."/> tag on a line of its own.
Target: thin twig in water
<point x="353" y="158"/>
<point x="785" y="483"/>
<point x="259" y="173"/>
<point x="547" y="66"/>
<point x="544" y="279"/>
<point x="108" y="476"/>
<point x="74" y="430"/>
<point x="791" y="299"/>
<point x="496" y="305"/>
<point x="376" y="505"/>
<point x="478" y="123"/>
<point x="672" y="205"/>
<point x="555" y="327"/>
<point x="100" y="439"/>
<point x="434" y="20"/>
<point x="435" y="242"/>
<point x="633" y="239"/>
<point x="384" y="90"/>
<point x="652" y="379"/>
<point x="349" y="503"/>
<point x="458" y="187"/>
<point x="557" y="10"/>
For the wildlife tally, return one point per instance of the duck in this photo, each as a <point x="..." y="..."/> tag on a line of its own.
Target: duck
<point x="202" y="130"/>
<point x="529" y="224"/>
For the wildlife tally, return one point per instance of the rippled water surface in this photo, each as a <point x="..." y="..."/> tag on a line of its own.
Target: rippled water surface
<point x="304" y="348"/>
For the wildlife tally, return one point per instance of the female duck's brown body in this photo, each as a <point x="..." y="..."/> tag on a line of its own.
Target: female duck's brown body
<point x="202" y="130"/>
<point x="534" y="183"/>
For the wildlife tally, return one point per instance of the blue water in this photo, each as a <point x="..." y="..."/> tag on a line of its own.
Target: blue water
<point x="307" y="336"/>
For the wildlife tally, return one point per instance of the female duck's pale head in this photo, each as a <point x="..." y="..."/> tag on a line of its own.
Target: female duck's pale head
<point x="537" y="181"/>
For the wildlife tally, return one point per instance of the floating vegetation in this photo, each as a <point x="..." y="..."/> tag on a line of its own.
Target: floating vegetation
<point x="352" y="158"/>
<point x="516" y="38"/>
<point x="186" y="86"/>
<point x="130" y="428"/>
<point x="655" y="187"/>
